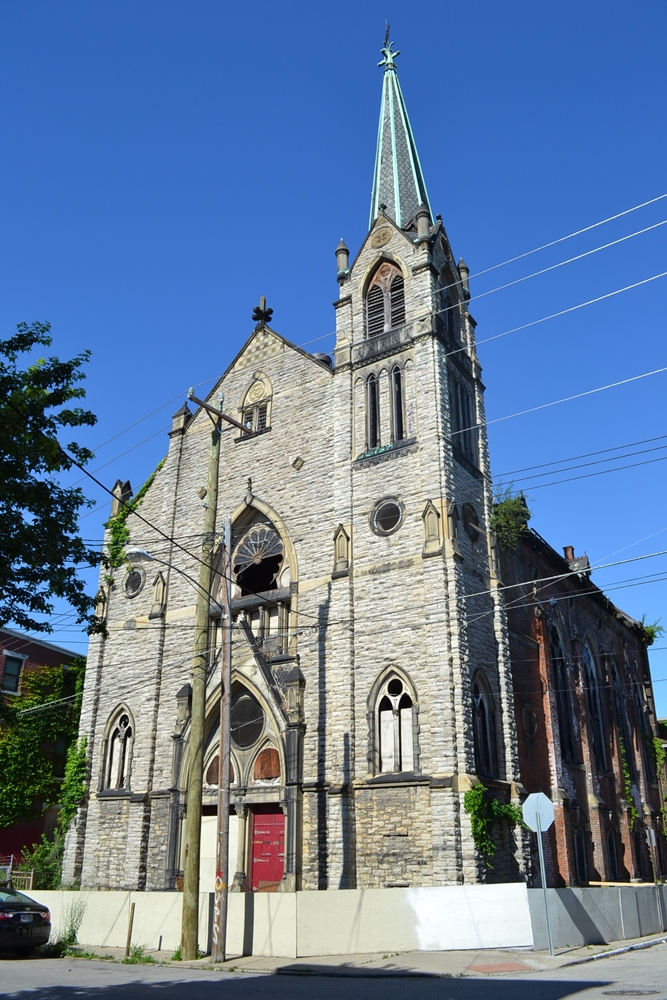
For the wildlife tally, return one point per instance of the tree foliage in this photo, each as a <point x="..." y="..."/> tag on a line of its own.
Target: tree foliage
<point x="40" y="546"/>
<point x="653" y="630"/>
<point x="510" y="516"/>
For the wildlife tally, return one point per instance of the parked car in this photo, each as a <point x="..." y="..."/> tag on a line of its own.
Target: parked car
<point x="24" y="923"/>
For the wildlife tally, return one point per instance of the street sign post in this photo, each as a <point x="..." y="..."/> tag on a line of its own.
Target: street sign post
<point x="538" y="814"/>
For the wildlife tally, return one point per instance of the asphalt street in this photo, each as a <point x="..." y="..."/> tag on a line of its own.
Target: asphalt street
<point x="642" y="973"/>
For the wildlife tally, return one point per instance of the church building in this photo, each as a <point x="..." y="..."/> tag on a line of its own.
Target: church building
<point x="371" y="675"/>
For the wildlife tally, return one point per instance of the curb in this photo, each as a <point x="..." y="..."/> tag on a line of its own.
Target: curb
<point x="617" y="951"/>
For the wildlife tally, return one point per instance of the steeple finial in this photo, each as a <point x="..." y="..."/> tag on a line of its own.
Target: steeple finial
<point x="389" y="57"/>
<point x="398" y="182"/>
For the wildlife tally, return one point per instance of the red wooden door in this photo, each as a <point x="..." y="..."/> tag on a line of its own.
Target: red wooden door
<point x="267" y="849"/>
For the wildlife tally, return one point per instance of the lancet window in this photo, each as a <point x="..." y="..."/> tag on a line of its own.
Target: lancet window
<point x="595" y="709"/>
<point x="397" y="403"/>
<point x="373" y="411"/>
<point x="563" y="692"/>
<point x="463" y="420"/>
<point x="385" y="300"/>
<point x="118" y="754"/>
<point x="484" y="729"/>
<point x="394" y="727"/>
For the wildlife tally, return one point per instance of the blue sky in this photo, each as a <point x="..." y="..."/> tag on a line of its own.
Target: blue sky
<point x="165" y="164"/>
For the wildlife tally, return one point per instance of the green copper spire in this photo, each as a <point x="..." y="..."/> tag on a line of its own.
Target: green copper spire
<point x="398" y="182"/>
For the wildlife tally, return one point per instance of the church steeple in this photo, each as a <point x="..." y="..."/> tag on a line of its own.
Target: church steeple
<point x="398" y="182"/>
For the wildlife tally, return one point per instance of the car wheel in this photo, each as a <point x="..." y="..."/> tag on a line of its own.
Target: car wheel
<point x="24" y="952"/>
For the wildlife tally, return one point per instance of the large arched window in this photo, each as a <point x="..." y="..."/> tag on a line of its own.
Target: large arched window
<point x="464" y="429"/>
<point x="580" y="855"/>
<point x="484" y="729"/>
<point x="595" y="709"/>
<point x="118" y="756"/>
<point x="394" y="727"/>
<point x="385" y="300"/>
<point x="561" y="676"/>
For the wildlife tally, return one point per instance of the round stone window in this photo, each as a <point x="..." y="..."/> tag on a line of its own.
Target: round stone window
<point x="134" y="582"/>
<point x="247" y="719"/>
<point x="387" y="517"/>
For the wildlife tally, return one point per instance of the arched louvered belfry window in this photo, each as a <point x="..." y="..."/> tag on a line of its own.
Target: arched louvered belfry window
<point x="385" y="300"/>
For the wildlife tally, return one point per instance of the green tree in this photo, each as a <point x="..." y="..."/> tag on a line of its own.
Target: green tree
<point x="40" y="546"/>
<point x="510" y="516"/>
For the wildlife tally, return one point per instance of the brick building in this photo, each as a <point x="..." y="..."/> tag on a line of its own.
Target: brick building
<point x="21" y="655"/>
<point x="585" y="717"/>
<point x="372" y="682"/>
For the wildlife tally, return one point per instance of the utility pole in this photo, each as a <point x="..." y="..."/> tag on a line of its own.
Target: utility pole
<point x="190" y="918"/>
<point x="219" y="948"/>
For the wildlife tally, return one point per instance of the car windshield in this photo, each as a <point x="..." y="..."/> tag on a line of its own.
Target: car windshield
<point x="12" y="896"/>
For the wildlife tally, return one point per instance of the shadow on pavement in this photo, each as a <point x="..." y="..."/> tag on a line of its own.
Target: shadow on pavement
<point x="325" y="984"/>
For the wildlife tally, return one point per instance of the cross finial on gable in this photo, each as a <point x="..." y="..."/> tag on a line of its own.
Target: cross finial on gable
<point x="261" y="314"/>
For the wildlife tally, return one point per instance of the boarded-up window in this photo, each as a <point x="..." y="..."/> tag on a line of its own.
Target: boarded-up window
<point x="267" y="765"/>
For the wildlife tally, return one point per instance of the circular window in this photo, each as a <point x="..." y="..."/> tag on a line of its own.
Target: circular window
<point x="134" y="581"/>
<point x="247" y="721"/>
<point x="386" y="517"/>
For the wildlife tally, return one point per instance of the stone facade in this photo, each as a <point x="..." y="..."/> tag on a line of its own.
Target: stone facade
<point x="356" y="605"/>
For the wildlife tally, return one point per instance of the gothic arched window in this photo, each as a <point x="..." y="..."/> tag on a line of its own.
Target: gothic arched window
<point x="580" y="855"/>
<point x="394" y="727"/>
<point x="484" y="729"/>
<point x="595" y="709"/>
<point x="256" y="409"/>
<point x="561" y="676"/>
<point x="397" y="403"/>
<point x="118" y="753"/>
<point x="373" y="411"/>
<point x="385" y="300"/>
<point x="462" y="410"/>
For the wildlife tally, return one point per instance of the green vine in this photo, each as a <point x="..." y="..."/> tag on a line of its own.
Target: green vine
<point x="658" y="753"/>
<point x="484" y="811"/>
<point x="117" y="526"/>
<point x="509" y="517"/>
<point x="627" y="784"/>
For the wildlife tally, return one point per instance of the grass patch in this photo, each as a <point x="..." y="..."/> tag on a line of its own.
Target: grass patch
<point x="138" y="956"/>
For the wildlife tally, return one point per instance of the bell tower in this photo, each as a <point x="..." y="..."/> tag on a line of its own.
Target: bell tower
<point x="412" y="488"/>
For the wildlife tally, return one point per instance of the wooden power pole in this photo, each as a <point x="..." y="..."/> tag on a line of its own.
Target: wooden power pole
<point x="222" y="873"/>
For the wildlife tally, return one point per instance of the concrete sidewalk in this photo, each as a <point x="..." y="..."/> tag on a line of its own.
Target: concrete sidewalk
<point x="410" y="964"/>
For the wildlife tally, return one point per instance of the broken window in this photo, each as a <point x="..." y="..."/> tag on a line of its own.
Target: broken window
<point x="256" y="406"/>
<point x="561" y="679"/>
<point x="258" y="561"/>
<point x="395" y="730"/>
<point x="595" y="710"/>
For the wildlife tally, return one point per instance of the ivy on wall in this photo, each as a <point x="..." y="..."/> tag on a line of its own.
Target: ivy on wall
<point x="485" y="811"/>
<point x="117" y="525"/>
<point x="633" y="815"/>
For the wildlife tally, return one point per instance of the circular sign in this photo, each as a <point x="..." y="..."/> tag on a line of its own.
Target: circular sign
<point x="536" y="805"/>
<point x="381" y="236"/>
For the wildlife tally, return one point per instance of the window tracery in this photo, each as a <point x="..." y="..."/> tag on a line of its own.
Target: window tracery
<point x="385" y="300"/>
<point x="255" y="412"/>
<point x="373" y="411"/>
<point x="259" y="567"/>
<point x="394" y="727"/>
<point x="118" y="755"/>
<point x="563" y="692"/>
